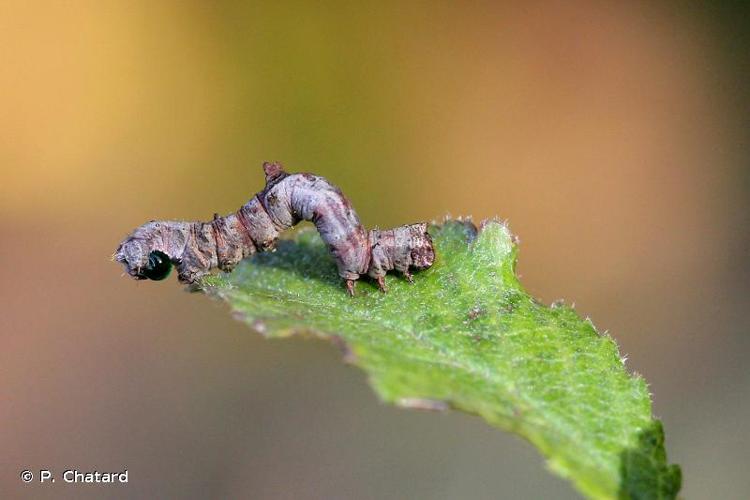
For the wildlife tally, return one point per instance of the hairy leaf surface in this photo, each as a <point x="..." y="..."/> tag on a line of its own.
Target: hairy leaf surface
<point x="467" y="336"/>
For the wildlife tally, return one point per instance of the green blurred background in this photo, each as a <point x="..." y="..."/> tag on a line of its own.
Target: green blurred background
<point x="612" y="135"/>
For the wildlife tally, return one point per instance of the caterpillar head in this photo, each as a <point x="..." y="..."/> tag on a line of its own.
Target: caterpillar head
<point x="422" y="252"/>
<point x="151" y="250"/>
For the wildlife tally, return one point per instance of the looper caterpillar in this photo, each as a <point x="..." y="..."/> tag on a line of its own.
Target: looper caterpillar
<point x="195" y="248"/>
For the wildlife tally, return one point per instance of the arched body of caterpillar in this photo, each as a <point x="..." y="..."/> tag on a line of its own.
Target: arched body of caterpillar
<point x="195" y="248"/>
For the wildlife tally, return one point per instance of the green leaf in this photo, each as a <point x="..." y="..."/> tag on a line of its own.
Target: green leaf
<point x="467" y="336"/>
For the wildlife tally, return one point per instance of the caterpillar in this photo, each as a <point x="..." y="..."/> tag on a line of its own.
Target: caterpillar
<point x="195" y="248"/>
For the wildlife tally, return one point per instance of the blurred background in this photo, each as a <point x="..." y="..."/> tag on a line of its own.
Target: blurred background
<point x="612" y="135"/>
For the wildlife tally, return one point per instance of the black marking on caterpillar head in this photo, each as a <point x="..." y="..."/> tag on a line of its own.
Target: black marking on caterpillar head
<point x="158" y="267"/>
<point x="195" y="247"/>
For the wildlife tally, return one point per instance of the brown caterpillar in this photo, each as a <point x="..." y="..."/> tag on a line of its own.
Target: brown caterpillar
<point x="195" y="248"/>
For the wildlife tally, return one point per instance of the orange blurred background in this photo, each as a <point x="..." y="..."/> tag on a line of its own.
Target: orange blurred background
<point x="612" y="135"/>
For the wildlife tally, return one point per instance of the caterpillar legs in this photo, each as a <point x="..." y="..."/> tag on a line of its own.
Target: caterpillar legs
<point x="380" y="280"/>
<point x="350" y="285"/>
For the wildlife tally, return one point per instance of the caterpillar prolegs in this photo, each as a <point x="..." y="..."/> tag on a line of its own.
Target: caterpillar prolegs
<point x="195" y="248"/>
